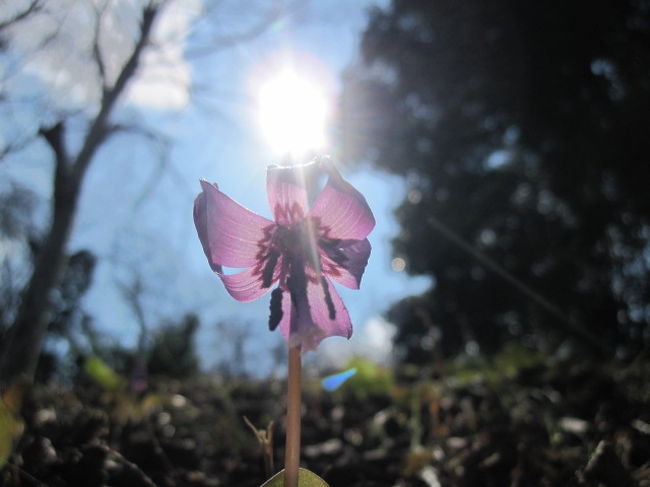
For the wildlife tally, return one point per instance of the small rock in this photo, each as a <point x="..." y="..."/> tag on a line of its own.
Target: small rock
<point x="328" y="447"/>
<point x="573" y="425"/>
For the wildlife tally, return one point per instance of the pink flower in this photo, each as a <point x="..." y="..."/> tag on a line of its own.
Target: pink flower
<point x="301" y="250"/>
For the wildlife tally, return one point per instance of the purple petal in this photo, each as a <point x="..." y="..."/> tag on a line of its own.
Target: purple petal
<point x="287" y="193"/>
<point x="201" y="224"/>
<point x="327" y="310"/>
<point x="319" y="313"/>
<point x="344" y="261"/>
<point x="230" y="234"/>
<point x="247" y="285"/>
<point x="342" y="210"/>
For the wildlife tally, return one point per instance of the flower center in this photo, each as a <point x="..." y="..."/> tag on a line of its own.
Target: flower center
<point x="297" y="245"/>
<point x="299" y="242"/>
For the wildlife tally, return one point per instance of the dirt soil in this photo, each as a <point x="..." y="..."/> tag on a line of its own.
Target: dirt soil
<point x="571" y="424"/>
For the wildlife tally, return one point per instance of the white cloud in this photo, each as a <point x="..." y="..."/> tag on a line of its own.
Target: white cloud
<point x="376" y="341"/>
<point x="165" y="78"/>
<point x="373" y="340"/>
<point x="55" y="47"/>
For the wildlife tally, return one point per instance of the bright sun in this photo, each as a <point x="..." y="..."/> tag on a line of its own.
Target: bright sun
<point x="293" y="114"/>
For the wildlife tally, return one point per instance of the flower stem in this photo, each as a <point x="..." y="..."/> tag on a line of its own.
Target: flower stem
<point x="292" y="446"/>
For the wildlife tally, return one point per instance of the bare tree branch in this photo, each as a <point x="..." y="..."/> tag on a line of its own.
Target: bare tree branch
<point x="161" y="144"/>
<point x="13" y="147"/>
<point x="54" y="136"/>
<point x="132" y="294"/>
<point x="18" y="67"/>
<point x="33" y="7"/>
<point x="98" y="129"/>
<point x="121" y="128"/>
<point x="97" y="54"/>
<point x="219" y="43"/>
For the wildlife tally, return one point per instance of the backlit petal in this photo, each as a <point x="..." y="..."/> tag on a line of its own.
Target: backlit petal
<point x="230" y="234"/>
<point x="287" y="193"/>
<point x="342" y="210"/>
<point x="201" y="224"/>
<point x="345" y="261"/>
<point x="246" y="285"/>
<point x="319" y="313"/>
<point x="328" y="312"/>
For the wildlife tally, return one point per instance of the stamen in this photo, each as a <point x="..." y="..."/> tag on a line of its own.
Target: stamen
<point x="276" y="309"/>
<point x="297" y="286"/>
<point x="328" y="298"/>
<point x="269" y="268"/>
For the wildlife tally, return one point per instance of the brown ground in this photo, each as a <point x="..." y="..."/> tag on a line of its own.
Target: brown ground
<point x="561" y="425"/>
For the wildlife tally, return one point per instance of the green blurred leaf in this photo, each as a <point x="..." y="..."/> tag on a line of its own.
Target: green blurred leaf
<point x="371" y="378"/>
<point x="101" y="373"/>
<point x="305" y="479"/>
<point x="11" y="426"/>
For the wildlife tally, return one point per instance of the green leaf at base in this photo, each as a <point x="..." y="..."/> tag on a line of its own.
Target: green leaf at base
<point x="305" y="479"/>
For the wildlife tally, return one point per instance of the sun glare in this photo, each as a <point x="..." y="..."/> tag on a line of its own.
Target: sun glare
<point x="293" y="114"/>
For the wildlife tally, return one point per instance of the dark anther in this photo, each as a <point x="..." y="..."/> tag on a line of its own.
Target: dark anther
<point x="276" y="309"/>
<point x="269" y="268"/>
<point x="328" y="298"/>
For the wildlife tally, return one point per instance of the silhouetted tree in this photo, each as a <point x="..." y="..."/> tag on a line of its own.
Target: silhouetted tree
<point x="173" y="352"/>
<point x="17" y="231"/>
<point x="69" y="320"/>
<point x="17" y="235"/>
<point x="67" y="312"/>
<point x="233" y="336"/>
<point x="521" y="128"/>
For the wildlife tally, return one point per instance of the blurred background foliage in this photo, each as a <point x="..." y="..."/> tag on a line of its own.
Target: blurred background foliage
<point x="522" y="131"/>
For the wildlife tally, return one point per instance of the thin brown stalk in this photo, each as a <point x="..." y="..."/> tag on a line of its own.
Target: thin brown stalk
<point x="292" y="446"/>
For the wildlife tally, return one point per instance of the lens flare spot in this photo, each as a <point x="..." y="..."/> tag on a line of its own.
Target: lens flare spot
<point x="333" y="382"/>
<point x="398" y="264"/>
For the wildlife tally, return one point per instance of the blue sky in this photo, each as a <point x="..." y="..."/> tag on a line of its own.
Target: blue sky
<point x="135" y="215"/>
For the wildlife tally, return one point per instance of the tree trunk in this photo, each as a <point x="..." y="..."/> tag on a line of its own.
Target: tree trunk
<point x="25" y="337"/>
